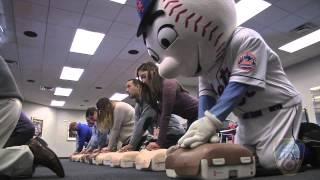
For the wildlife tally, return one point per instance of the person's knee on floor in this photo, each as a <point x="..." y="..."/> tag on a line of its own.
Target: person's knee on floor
<point x="285" y="159"/>
<point x="23" y="132"/>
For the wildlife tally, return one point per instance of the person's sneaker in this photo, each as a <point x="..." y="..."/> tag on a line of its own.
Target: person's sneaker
<point x="46" y="157"/>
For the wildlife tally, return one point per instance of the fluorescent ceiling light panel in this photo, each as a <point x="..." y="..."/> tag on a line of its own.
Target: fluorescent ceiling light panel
<point x="315" y="88"/>
<point x="302" y="42"/>
<point x="62" y="91"/>
<point x="316" y="98"/>
<point x="57" y="103"/>
<point x="86" y="42"/>
<point x="118" y="97"/>
<point x="69" y="73"/>
<point x="246" y="9"/>
<point x="119" y="1"/>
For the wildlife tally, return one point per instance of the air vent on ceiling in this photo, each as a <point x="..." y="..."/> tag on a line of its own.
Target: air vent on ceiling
<point x="46" y="88"/>
<point x="305" y="28"/>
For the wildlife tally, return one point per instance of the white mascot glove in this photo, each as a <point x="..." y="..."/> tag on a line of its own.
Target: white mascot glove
<point x="201" y="131"/>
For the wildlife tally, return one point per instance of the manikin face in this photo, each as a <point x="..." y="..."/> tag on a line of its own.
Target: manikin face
<point x="186" y="37"/>
<point x="132" y="90"/>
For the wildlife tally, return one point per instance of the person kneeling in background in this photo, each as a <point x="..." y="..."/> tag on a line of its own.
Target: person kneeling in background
<point x="118" y="118"/>
<point x="19" y="160"/>
<point x="146" y="118"/>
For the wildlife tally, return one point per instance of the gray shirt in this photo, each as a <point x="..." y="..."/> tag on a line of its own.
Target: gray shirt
<point x="8" y="87"/>
<point x="144" y="120"/>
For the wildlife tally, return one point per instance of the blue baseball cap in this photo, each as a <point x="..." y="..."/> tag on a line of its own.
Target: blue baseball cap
<point x="144" y="8"/>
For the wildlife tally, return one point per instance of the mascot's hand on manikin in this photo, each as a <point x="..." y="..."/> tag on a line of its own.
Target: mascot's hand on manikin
<point x="201" y="131"/>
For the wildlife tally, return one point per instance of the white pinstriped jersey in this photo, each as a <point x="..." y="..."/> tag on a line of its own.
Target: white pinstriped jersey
<point x="249" y="60"/>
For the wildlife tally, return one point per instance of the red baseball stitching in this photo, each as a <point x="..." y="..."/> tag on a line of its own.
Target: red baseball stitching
<point x="179" y="13"/>
<point x="174" y="7"/>
<point x="221" y="53"/>
<point x="170" y="2"/>
<point x="220" y="47"/>
<point x="205" y="28"/>
<point x="196" y="24"/>
<point x="217" y="40"/>
<point x="171" y="7"/>
<point x="211" y="33"/>
<point x="187" y="19"/>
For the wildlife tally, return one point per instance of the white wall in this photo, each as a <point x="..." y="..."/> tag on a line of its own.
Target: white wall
<point x="305" y="76"/>
<point x="55" y="125"/>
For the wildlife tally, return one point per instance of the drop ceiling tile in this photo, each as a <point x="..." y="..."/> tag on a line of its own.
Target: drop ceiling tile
<point x="128" y="15"/>
<point x="252" y="24"/>
<point x="292" y="5"/>
<point x="39" y="2"/>
<point x="268" y="33"/>
<point x="271" y="15"/>
<point x="77" y="6"/>
<point x="30" y="56"/>
<point x="122" y="30"/>
<point x="110" y="48"/>
<point x="288" y="23"/>
<point x="30" y="25"/>
<point x="316" y="20"/>
<point x="78" y="60"/>
<point x="114" y="70"/>
<point x="103" y="9"/>
<point x="133" y="45"/>
<point x="60" y="33"/>
<point x="31" y="72"/>
<point x="10" y="51"/>
<point x="27" y="10"/>
<point x="309" y="11"/>
<point x="64" y="18"/>
<point x="92" y="72"/>
<point x="95" y="24"/>
<point x="56" y="48"/>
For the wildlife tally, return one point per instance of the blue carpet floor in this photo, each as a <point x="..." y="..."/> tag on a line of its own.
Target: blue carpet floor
<point x="81" y="171"/>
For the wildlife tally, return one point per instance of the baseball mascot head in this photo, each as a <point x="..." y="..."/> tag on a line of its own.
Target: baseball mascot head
<point x="186" y="37"/>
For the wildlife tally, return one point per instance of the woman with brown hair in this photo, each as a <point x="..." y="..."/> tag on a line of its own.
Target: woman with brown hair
<point x="118" y="118"/>
<point x="171" y="98"/>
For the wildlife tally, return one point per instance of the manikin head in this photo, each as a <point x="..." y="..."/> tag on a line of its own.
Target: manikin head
<point x="186" y="37"/>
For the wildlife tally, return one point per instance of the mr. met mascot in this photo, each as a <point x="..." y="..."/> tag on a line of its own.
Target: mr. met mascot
<point x="238" y="72"/>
